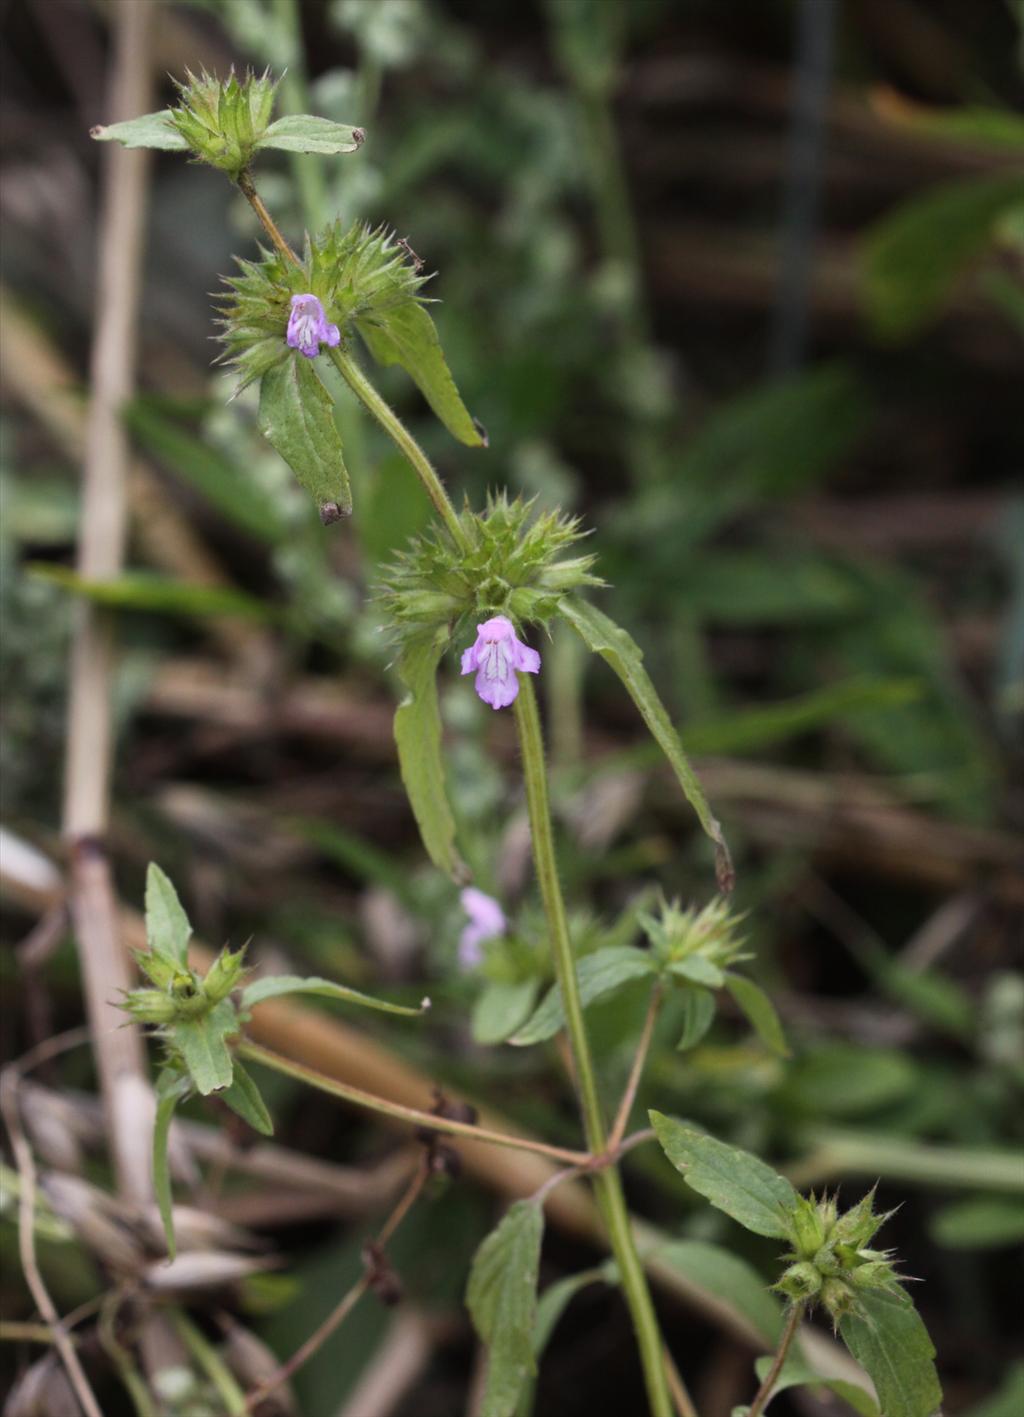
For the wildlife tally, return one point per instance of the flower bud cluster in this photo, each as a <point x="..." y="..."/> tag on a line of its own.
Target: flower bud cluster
<point x="830" y="1261"/>
<point x="180" y="993"/>
<point x="677" y="934"/>
<point x="355" y="274"/>
<point x="512" y="566"/>
<point x="223" y="120"/>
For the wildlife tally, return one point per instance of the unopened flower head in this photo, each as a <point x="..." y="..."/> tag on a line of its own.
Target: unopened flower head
<point x="497" y="655"/>
<point x="829" y="1261"/>
<point x="486" y="922"/>
<point x="308" y="327"/>
<point x="512" y="566"/>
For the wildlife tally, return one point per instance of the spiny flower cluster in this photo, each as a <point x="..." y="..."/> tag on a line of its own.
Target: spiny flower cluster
<point x="830" y="1261"/>
<point x="676" y="933"/>
<point x="223" y="120"/>
<point x="179" y="992"/>
<point x="356" y="275"/>
<point x="511" y="567"/>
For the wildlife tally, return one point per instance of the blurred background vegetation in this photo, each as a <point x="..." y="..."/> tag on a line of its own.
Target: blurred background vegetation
<point x="742" y="284"/>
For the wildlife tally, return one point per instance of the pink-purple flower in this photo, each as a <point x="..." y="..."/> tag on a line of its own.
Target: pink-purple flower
<point x="486" y="922"/>
<point x="308" y="327"/>
<point x="496" y="656"/>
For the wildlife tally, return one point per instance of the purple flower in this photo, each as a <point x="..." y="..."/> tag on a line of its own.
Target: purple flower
<point x="496" y="656"/>
<point x="486" y="922"/>
<point x="308" y="327"/>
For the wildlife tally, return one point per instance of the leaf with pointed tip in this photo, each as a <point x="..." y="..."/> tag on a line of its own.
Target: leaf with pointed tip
<point x="406" y="335"/>
<point x="502" y="1008"/>
<point x="551" y="1305"/>
<point x="798" y="1373"/>
<point x="887" y="1337"/>
<point x="728" y="1281"/>
<point x="598" y="975"/>
<point x="171" y="1088"/>
<point x="243" y="1097"/>
<point x="296" y="416"/>
<point x="418" y="739"/>
<point x="732" y="1180"/>
<point x="167" y="928"/>
<point x="306" y="133"/>
<point x="621" y="651"/>
<point x="760" y="1012"/>
<point x="502" y="1301"/>
<point x="151" y="130"/>
<point x="278" y="984"/>
<point x="202" y="1044"/>
<point x="697" y="970"/>
<point x="698" y="1013"/>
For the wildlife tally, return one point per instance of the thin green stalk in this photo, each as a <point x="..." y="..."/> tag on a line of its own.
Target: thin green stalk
<point x="307" y="167"/>
<point x="607" y="1182"/>
<point x="254" y="1053"/>
<point x="764" y="1392"/>
<point x="403" y="440"/>
<point x="219" y="1374"/>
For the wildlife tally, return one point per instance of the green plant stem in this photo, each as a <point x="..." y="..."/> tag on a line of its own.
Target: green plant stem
<point x="307" y="167"/>
<point x="247" y="187"/>
<point x="607" y="1182"/>
<point x="403" y="440"/>
<point x="635" y="1072"/>
<point x="219" y="1374"/>
<point x="364" y="390"/>
<point x="254" y="1053"/>
<point x="764" y="1392"/>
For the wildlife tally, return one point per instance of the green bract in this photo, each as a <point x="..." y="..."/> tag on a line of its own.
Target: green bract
<point x="197" y="1020"/>
<point x="510" y="566"/>
<point x="829" y="1262"/>
<point x="225" y="122"/>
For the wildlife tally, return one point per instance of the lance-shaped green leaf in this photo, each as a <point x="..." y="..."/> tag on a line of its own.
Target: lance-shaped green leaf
<point x="167" y="929"/>
<point x="502" y="1301"/>
<point x="914" y="255"/>
<point x="598" y="974"/>
<point x="243" y="1097"/>
<point x="278" y="984"/>
<point x="732" y="1180"/>
<point x="888" y="1339"/>
<point x="697" y="970"/>
<point x="306" y="133"/>
<point x="797" y="1373"/>
<point x="405" y="334"/>
<point x="202" y="1043"/>
<point x="698" y="1013"/>
<point x="621" y="651"/>
<point x="418" y="739"/>
<point x="171" y="1088"/>
<point x="551" y="1305"/>
<point x="727" y="1283"/>
<point x="151" y="130"/>
<point x="502" y="1008"/>
<point x="296" y="416"/>
<point x="146" y="591"/>
<point x="760" y="1012"/>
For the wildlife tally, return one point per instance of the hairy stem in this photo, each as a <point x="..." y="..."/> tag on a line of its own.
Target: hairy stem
<point x="402" y="439"/>
<point x="607" y="1182"/>
<point x="253" y="1052"/>
<point x="247" y="187"/>
<point x="796" y="1313"/>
